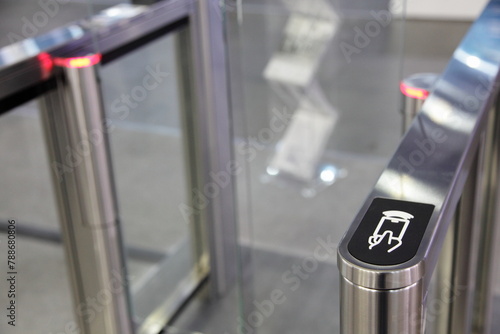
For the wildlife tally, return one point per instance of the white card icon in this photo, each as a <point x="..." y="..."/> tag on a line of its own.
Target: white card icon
<point x="384" y="229"/>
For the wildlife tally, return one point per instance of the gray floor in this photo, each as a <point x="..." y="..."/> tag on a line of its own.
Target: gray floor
<point x="279" y="228"/>
<point x="306" y="303"/>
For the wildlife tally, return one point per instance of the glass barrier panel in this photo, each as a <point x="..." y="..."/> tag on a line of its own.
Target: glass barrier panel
<point x="141" y="98"/>
<point x="316" y="120"/>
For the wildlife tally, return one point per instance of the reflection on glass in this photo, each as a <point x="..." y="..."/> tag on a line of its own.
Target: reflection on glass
<point x="319" y="113"/>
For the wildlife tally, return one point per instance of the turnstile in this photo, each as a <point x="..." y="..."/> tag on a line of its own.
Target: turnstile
<point x="434" y="208"/>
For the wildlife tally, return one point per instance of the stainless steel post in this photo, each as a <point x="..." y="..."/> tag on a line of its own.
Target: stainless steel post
<point x="489" y="221"/>
<point x="76" y="133"/>
<point x="213" y="151"/>
<point x="191" y="138"/>
<point x="449" y="302"/>
<point x="465" y="268"/>
<point x="415" y="89"/>
<point x="450" y="307"/>
<point x="375" y="311"/>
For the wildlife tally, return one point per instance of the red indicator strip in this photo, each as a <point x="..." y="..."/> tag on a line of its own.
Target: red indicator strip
<point x="416" y="93"/>
<point x="78" y="62"/>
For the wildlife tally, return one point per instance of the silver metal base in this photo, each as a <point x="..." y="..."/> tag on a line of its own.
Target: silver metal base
<point x="370" y="311"/>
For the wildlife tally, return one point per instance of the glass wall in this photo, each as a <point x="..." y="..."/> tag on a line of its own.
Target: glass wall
<point x="320" y="117"/>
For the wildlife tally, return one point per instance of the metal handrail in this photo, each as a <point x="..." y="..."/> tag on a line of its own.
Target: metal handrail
<point x="448" y="152"/>
<point x="28" y="63"/>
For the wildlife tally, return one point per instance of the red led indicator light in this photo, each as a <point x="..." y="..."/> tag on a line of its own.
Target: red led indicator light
<point x="46" y="64"/>
<point x="78" y="62"/>
<point x="416" y="93"/>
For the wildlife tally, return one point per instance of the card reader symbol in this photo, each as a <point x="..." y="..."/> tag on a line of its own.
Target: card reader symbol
<point x="393" y="225"/>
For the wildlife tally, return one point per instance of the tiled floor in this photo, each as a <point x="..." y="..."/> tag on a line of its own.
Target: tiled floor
<point x="279" y="227"/>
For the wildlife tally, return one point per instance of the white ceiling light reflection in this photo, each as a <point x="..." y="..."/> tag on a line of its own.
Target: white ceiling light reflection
<point x="446" y="115"/>
<point x="330" y="174"/>
<point x="272" y="171"/>
<point x="441" y="110"/>
<point x="113" y="12"/>
<point x="473" y="61"/>
<point x="406" y="187"/>
<point x="327" y="175"/>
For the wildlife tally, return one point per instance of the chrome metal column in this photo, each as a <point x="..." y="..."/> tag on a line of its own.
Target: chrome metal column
<point x="76" y="133"/>
<point x="213" y="148"/>
<point x="449" y="303"/>
<point x="376" y="311"/>
<point x="191" y="139"/>
<point x="415" y="89"/>
<point x="489" y="220"/>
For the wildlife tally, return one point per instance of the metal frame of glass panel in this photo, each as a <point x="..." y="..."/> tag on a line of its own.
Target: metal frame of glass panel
<point x="63" y="73"/>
